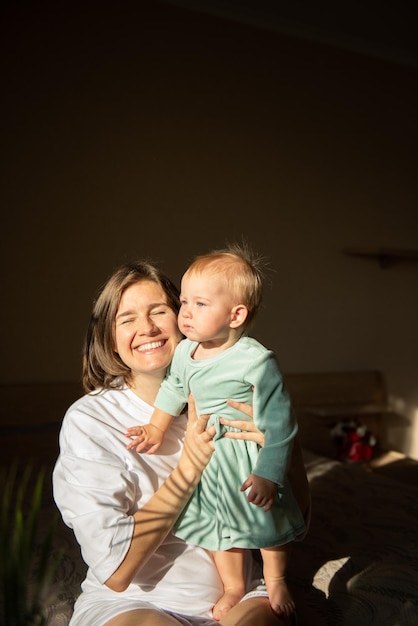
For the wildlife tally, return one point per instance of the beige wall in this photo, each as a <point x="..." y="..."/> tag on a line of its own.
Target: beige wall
<point x="164" y="133"/>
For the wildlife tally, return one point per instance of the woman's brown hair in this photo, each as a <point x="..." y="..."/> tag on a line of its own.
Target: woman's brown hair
<point x="102" y="366"/>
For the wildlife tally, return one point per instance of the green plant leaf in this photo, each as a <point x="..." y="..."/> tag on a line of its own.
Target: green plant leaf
<point x="28" y="559"/>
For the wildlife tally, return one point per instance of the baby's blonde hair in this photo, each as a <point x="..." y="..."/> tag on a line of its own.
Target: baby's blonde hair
<point x="242" y="269"/>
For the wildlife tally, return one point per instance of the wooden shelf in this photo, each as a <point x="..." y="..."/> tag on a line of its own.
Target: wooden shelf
<point x="386" y="257"/>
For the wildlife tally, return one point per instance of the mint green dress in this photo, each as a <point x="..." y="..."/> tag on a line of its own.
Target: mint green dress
<point x="218" y="516"/>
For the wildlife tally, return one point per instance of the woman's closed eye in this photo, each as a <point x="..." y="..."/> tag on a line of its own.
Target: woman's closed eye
<point x="160" y="311"/>
<point x="125" y="320"/>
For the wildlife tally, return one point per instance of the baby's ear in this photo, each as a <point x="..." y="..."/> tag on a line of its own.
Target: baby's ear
<point x="239" y="314"/>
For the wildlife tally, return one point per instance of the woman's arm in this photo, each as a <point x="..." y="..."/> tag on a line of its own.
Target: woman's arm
<point x="156" y="518"/>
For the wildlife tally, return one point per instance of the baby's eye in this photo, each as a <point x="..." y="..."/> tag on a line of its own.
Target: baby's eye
<point x="200" y="304"/>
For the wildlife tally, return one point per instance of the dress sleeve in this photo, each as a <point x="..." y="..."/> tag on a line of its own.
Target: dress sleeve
<point x="173" y="394"/>
<point x="96" y="494"/>
<point x="274" y="416"/>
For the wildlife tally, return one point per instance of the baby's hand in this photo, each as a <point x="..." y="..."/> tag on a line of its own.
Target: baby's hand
<point x="147" y="438"/>
<point x="262" y="492"/>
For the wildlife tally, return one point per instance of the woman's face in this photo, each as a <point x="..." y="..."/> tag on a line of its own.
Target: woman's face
<point x="146" y="331"/>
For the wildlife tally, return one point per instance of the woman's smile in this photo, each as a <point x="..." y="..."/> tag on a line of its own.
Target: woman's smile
<point x="148" y="347"/>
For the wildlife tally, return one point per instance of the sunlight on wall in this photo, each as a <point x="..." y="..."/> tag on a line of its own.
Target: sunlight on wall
<point x="402" y="432"/>
<point x="413" y="441"/>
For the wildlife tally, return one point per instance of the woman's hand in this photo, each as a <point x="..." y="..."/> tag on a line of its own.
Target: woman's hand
<point x="198" y="442"/>
<point x="248" y="430"/>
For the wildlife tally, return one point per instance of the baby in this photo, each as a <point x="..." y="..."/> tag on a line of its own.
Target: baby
<point x="244" y="499"/>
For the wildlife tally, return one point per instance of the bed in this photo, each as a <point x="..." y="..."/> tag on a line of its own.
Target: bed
<point x="359" y="560"/>
<point x="358" y="564"/>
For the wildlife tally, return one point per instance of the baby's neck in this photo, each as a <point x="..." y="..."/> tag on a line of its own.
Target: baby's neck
<point x="208" y="349"/>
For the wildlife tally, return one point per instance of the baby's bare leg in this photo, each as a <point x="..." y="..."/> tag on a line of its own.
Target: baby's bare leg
<point x="230" y="565"/>
<point x="275" y="565"/>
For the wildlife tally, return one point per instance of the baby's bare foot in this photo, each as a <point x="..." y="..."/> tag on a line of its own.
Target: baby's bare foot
<point x="281" y="600"/>
<point x="230" y="598"/>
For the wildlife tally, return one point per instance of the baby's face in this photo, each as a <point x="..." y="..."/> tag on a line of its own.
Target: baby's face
<point x="206" y="307"/>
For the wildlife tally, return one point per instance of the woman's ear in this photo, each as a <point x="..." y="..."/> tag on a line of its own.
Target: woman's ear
<point x="239" y="314"/>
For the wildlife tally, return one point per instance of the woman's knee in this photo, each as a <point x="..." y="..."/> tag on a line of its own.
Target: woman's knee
<point x="143" y="617"/>
<point x="253" y="611"/>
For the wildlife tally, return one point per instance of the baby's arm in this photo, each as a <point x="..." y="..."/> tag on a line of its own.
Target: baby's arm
<point x="149" y="438"/>
<point x="262" y="491"/>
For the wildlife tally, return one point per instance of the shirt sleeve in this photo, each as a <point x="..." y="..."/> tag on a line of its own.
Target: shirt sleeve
<point x="96" y="495"/>
<point x="274" y="416"/>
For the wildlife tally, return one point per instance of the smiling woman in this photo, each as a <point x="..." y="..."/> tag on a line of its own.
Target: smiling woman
<point x="121" y="505"/>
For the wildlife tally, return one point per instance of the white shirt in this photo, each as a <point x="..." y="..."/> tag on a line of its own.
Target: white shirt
<point x="98" y="486"/>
